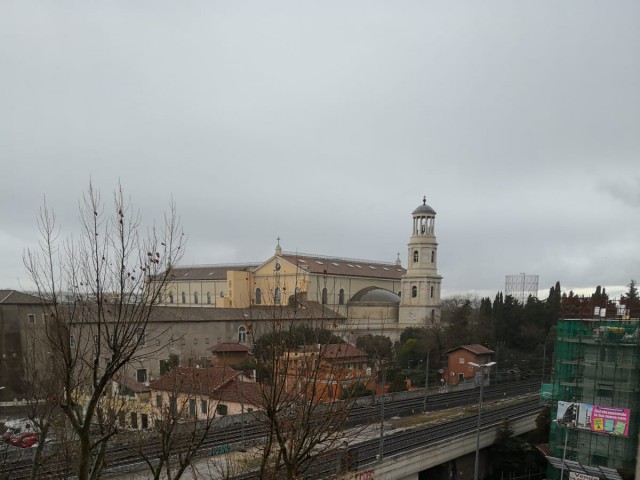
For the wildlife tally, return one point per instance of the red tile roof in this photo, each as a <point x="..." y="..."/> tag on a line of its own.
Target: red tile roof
<point x="195" y="380"/>
<point x="474" y="348"/>
<point x="237" y="391"/>
<point x="345" y="266"/>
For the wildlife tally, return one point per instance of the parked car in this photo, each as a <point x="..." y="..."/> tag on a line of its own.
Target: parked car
<point x="16" y="440"/>
<point x="29" y="440"/>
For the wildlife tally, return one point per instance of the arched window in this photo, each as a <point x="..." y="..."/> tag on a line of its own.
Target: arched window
<point x="431" y="291"/>
<point x="433" y="256"/>
<point x="276" y="296"/>
<point x="416" y="256"/>
<point x="324" y="296"/>
<point x="341" y="297"/>
<point x="258" y="296"/>
<point x="195" y="297"/>
<point x="414" y="291"/>
<point x="184" y="297"/>
<point x="209" y="298"/>
<point x="170" y="297"/>
<point x="433" y="315"/>
<point x="242" y="334"/>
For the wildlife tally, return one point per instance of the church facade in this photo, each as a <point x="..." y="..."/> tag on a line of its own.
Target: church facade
<point x="363" y="296"/>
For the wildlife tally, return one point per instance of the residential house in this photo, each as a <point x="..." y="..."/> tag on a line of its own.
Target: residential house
<point x="459" y="369"/>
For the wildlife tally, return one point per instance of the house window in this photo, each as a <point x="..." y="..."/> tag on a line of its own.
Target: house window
<point x="258" y="296"/>
<point x="141" y="337"/>
<point x="31" y="318"/>
<point x="209" y="298"/>
<point x="134" y="420"/>
<point x="414" y="291"/>
<point x="324" y="296"/>
<point x="141" y="375"/>
<point x="461" y="360"/>
<point x="221" y="409"/>
<point x="460" y="377"/>
<point x="184" y="297"/>
<point x="173" y="405"/>
<point x="276" y="296"/>
<point x="203" y="407"/>
<point x="341" y="296"/>
<point x="206" y="340"/>
<point x="183" y="341"/>
<point x="195" y="341"/>
<point x="44" y="317"/>
<point x="242" y="334"/>
<point x="144" y="418"/>
<point x="192" y="407"/>
<point x="159" y="401"/>
<point x="416" y="256"/>
<point x="195" y="297"/>
<point x="170" y="297"/>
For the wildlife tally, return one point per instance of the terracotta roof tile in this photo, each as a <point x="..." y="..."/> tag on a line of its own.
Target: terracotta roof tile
<point x="194" y="380"/>
<point x="237" y="391"/>
<point x="474" y="348"/>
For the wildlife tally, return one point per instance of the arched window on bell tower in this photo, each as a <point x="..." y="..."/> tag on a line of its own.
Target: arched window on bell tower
<point x="414" y="291"/>
<point x="416" y="256"/>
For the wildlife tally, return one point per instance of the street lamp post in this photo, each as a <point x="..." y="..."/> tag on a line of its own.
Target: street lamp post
<point x="482" y="369"/>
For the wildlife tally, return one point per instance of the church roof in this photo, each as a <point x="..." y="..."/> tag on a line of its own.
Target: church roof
<point x="344" y="266"/>
<point x="208" y="272"/>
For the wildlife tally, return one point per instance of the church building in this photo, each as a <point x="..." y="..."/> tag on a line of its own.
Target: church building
<point x="363" y="296"/>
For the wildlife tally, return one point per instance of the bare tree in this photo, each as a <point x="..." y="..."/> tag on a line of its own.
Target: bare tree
<point x="184" y="414"/>
<point x="98" y="302"/>
<point x="305" y="392"/>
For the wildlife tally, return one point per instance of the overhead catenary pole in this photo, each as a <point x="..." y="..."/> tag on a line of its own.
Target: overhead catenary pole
<point x="426" y="383"/>
<point x="381" y="452"/>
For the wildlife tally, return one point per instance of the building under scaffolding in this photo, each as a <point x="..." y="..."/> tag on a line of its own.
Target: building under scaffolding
<point x="597" y="366"/>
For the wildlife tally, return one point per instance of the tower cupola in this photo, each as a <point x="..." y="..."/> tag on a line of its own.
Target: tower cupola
<point x="423" y="219"/>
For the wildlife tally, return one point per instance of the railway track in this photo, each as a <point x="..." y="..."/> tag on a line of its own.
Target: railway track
<point x="126" y="453"/>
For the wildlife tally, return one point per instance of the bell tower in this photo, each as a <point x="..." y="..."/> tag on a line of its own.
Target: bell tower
<point x="420" y="286"/>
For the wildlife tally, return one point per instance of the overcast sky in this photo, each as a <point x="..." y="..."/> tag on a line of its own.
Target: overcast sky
<point x="326" y="122"/>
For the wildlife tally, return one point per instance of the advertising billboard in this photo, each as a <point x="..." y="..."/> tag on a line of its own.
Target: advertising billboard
<point x="595" y="418"/>
<point x="612" y="420"/>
